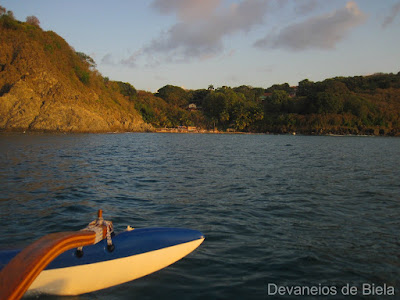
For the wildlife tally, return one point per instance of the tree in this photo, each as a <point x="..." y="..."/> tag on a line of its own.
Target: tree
<point x="250" y="93"/>
<point x="258" y="92"/>
<point x="245" y="114"/>
<point x="11" y="15"/>
<point x="32" y="20"/>
<point x="333" y="86"/>
<point x="282" y="87"/>
<point x="329" y="103"/>
<point x="277" y="101"/>
<point x="87" y="59"/>
<point x="197" y="97"/>
<point x="127" y="90"/>
<point x="305" y="88"/>
<point x="83" y="75"/>
<point x="357" y="106"/>
<point x="214" y="105"/>
<point x="5" y="12"/>
<point x="173" y="95"/>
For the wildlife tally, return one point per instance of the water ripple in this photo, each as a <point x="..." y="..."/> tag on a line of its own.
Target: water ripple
<point x="289" y="210"/>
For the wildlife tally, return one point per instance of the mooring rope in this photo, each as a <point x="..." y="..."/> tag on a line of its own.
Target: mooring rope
<point x="103" y="229"/>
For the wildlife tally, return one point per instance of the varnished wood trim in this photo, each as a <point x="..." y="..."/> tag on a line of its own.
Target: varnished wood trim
<point x="21" y="271"/>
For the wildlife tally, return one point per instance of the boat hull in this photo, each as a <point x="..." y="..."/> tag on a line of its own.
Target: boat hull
<point x="137" y="253"/>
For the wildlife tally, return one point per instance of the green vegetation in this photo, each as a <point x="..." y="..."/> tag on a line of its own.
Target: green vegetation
<point x="46" y="85"/>
<point x="126" y="89"/>
<point x="83" y="75"/>
<point x="159" y="113"/>
<point x="44" y="61"/>
<point x="341" y="105"/>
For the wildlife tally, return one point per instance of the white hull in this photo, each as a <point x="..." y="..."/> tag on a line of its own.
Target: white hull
<point x="71" y="281"/>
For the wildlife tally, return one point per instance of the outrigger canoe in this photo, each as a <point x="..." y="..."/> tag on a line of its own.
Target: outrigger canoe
<point x="135" y="253"/>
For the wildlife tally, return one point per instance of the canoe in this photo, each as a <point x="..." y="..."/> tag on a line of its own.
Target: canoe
<point x="136" y="253"/>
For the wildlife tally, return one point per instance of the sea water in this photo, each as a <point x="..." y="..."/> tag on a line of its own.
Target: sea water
<point x="285" y="217"/>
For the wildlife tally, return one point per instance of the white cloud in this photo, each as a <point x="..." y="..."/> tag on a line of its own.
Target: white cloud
<point x="132" y="59"/>
<point x="306" y="6"/>
<point x="321" y="32"/>
<point x="394" y="12"/>
<point x="187" y="10"/>
<point x="203" y="25"/>
<point x="107" y="59"/>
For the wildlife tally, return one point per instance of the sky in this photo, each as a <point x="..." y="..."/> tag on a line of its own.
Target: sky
<point x="197" y="43"/>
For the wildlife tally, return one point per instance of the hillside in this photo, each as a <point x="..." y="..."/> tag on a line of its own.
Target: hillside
<point x="361" y="105"/>
<point x="46" y="86"/>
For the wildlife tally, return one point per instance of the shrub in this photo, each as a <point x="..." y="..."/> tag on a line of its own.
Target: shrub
<point x="83" y="75"/>
<point x="32" y="20"/>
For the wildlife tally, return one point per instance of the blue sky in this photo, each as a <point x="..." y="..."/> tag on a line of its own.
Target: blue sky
<point x="195" y="43"/>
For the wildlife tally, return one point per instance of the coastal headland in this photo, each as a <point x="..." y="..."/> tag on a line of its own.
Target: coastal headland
<point x="47" y="86"/>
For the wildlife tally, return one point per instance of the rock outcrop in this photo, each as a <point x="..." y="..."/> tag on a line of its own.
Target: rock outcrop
<point x="46" y="86"/>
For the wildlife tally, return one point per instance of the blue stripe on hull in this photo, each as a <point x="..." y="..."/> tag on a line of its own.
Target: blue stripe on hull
<point x="126" y="244"/>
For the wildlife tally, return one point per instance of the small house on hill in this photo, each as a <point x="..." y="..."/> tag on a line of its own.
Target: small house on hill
<point x="265" y="96"/>
<point x="192" y="107"/>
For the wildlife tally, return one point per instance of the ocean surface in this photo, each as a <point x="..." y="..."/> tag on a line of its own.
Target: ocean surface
<point x="280" y="213"/>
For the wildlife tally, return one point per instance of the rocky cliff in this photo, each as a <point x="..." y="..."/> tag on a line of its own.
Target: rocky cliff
<point x="46" y="86"/>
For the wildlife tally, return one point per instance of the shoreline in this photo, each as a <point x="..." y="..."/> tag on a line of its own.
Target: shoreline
<point x="200" y="131"/>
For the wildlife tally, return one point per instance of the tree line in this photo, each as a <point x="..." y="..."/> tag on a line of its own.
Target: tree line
<point x="8" y="16"/>
<point x="340" y="105"/>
